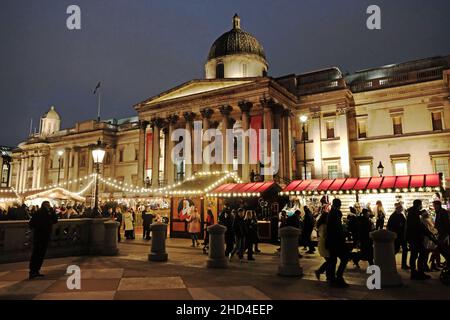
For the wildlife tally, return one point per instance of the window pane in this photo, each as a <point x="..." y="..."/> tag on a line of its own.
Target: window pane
<point x="364" y="171"/>
<point x="401" y="168"/>
<point x="397" y="122"/>
<point x="332" y="172"/>
<point x="437" y="120"/>
<point x="441" y="166"/>
<point x="362" y="130"/>
<point x="330" y="129"/>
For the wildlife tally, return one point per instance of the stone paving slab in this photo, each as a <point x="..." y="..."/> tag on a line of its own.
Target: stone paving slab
<point x="227" y="293"/>
<point x="151" y="283"/>
<point x="86" y="285"/>
<point x="77" y="295"/>
<point x="155" y="294"/>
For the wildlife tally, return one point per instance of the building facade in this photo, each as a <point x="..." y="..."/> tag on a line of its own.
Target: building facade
<point x="396" y="115"/>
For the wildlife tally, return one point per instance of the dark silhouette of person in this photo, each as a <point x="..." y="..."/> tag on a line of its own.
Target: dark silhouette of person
<point x="252" y="176"/>
<point x="41" y="223"/>
<point x="308" y="227"/>
<point x="415" y="235"/>
<point x="397" y="224"/>
<point x="335" y="243"/>
<point x="365" y="227"/>
<point x="147" y="220"/>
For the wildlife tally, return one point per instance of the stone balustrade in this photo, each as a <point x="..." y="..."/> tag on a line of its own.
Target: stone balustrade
<point x="71" y="237"/>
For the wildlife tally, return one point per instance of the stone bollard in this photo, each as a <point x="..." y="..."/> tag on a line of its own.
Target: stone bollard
<point x="159" y="234"/>
<point x="96" y="236"/>
<point x="216" y="255"/>
<point x="110" y="244"/>
<point x="289" y="264"/>
<point x="384" y="257"/>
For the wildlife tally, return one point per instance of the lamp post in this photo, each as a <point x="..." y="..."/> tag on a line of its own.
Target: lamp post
<point x="303" y="119"/>
<point x="98" y="153"/>
<point x="60" y="153"/>
<point x="380" y="169"/>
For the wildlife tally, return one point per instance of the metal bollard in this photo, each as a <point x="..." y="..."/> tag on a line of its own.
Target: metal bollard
<point x="289" y="262"/>
<point x="158" y="249"/>
<point x="384" y="257"/>
<point x="216" y="254"/>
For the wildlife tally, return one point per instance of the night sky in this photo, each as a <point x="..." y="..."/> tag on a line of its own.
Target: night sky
<point x="139" y="48"/>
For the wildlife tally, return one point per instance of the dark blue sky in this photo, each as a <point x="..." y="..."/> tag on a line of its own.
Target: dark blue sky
<point x="138" y="48"/>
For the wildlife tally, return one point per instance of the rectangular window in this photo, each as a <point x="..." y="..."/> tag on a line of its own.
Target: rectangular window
<point x="83" y="161"/>
<point x="333" y="172"/>
<point x="441" y="166"/>
<point x="401" y="168"/>
<point x="136" y="155"/>
<point x="397" y="125"/>
<point x="121" y="155"/>
<point x="436" y="117"/>
<point x="362" y="130"/>
<point x="308" y="173"/>
<point x="364" y="170"/>
<point x="330" y="129"/>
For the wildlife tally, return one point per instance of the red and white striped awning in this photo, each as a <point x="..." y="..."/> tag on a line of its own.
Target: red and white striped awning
<point x="251" y="189"/>
<point x="410" y="183"/>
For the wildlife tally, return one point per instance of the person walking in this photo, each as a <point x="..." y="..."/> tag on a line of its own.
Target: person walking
<point x="380" y="215"/>
<point x="129" y="225"/>
<point x="256" y="239"/>
<point x="335" y="243"/>
<point x="41" y="223"/>
<point x="239" y="234"/>
<point x="323" y="251"/>
<point x="118" y="218"/>
<point x="209" y="222"/>
<point x="397" y="224"/>
<point x="227" y="221"/>
<point x="365" y="227"/>
<point x="147" y="220"/>
<point x="194" y="226"/>
<point x="415" y="235"/>
<point x="429" y="243"/>
<point x="250" y="233"/>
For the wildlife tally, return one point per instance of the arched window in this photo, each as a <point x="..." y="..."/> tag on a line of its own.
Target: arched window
<point x="220" y="71"/>
<point x="264" y="73"/>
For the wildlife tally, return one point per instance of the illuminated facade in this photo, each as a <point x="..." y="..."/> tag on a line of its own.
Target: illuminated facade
<point x="398" y="115"/>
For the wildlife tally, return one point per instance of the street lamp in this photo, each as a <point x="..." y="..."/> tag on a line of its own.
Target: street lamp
<point x="380" y="169"/>
<point x="303" y="119"/>
<point x="98" y="153"/>
<point x="59" y="153"/>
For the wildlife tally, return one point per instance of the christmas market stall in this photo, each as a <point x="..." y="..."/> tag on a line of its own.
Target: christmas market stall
<point x="57" y="197"/>
<point x="193" y="194"/>
<point x="365" y="192"/>
<point x="259" y="196"/>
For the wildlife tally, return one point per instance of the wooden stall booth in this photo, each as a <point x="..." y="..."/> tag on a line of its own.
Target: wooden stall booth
<point x="259" y="196"/>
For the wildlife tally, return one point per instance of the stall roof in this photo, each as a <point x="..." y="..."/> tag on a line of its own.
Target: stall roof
<point x="421" y="182"/>
<point x="251" y="189"/>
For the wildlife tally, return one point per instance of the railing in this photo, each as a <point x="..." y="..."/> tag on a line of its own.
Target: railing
<point x="72" y="237"/>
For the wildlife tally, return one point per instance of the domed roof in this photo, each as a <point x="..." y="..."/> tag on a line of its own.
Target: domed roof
<point x="236" y="41"/>
<point x="51" y="114"/>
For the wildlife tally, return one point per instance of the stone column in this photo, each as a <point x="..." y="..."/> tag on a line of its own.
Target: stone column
<point x="158" y="250"/>
<point x="267" y="105"/>
<point x="156" y="126"/>
<point x="67" y="156"/>
<point x="189" y="117"/>
<point x="384" y="257"/>
<point x="17" y="166"/>
<point x="245" y="107"/>
<point x="277" y="110"/>
<point x="25" y="173"/>
<point x="43" y="173"/>
<point x="75" y="169"/>
<point x="342" y="130"/>
<point x="225" y="110"/>
<point x="216" y="254"/>
<point x="317" y="144"/>
<point x="206" y="116"/>
<point x="90" y="161"/>
<point x="287" y="143"/>
<point x="170" y="165"/>
<point x="35" y="172"/>
<point x="142" y="152"/>
<point x="289" y="264"/>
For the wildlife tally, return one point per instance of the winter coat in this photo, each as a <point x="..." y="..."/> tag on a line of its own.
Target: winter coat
<point x="251" y="227"/>
<point x="147" y="218"/>
<point x="322" y="232"/>
<point x="41" y="223"/>
<point x="193" y="223"/>
<point x="442" y="224"/>
<point x="128" y="219"/>
<point x="239" y="227"/>
<point x="415" y="229"/>
<point x="335" y="239"/>
<point x="397" y="224"/>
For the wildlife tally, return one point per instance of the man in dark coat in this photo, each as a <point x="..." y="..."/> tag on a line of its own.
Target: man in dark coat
<point x="335" y="243"/>
<point x="22" y="213"/>
<point x="41" y="223"/>
<point x="397" y="224"/>
<point x="227" y="221"/>
<point x="240" y="231"/>
<point x="415" y="235"/>
<point x="308" y="227"/>
<point x="147" y="220"/>
<point x="442" y="222"/>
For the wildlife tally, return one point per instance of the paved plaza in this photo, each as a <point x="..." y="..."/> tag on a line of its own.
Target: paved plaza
<point x="185" y="277"/>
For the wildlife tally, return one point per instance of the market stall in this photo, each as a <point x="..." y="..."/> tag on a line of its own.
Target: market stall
<point x="367" y="191"/>
<point x="56" y="196"/>
<point x="259" y="196"/>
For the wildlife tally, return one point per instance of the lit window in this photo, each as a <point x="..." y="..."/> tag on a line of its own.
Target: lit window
<point x="384" y="82"/>
<point x="308" y="172"/>
<point x="362" y="129"/>
<point x="364" y="170"/>
<point x="401" y="168"/>
<point x="436" y="117"/>
<point x="397" y="125"/>
<point x="330" y="129"/>
<point x="441" y="166"/>
<point x="333" y="172"/>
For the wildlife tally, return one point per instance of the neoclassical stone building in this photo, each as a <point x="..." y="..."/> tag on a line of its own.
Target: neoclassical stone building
<point x="398" y="115"/>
